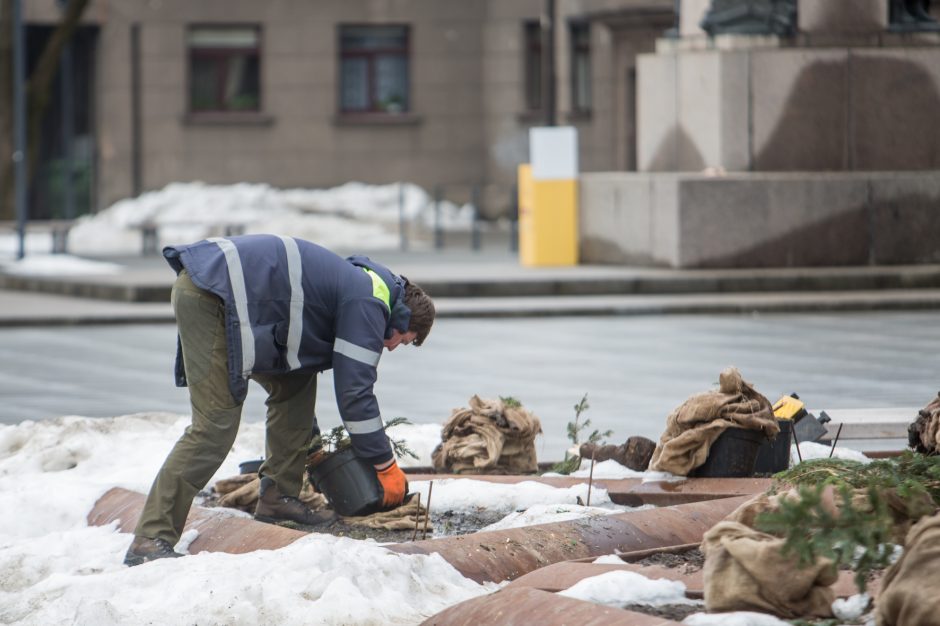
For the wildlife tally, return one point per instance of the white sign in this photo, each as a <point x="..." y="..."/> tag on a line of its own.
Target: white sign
<point x="553" y="151"/>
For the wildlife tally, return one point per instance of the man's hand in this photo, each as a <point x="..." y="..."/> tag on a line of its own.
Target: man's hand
<point x="394" y="484"/>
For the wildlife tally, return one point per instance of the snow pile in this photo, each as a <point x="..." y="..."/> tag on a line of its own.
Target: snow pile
<point x="619" y="588"/>
<point x="352" y="215"/>
<point x="76" y="577"/>
<point x="54" y="568"/>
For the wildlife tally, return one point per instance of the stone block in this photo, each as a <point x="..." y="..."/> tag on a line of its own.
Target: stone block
<point x="773" y="220"/>
<point x="691" y="13"/>
<point x="895" y="95"/>
<point x="617" y="226"/>
<point x="799" y="110"/>
<point x="842" y="16"/>
<point x="657" y="120"/>
<point x="699" y="103"/>
<point x="905" y="219"/>
<point x="733" y="113"/>
<point x="664" y="207"/>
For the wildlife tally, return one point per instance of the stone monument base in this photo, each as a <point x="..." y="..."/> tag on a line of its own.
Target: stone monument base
<point x="761" y="219"/>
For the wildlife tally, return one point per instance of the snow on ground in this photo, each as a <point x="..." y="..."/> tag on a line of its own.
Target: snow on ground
<point x="851" y="608"/>
<point x="465" y="495"/>
<point x="549" y="513"/>
<point x="58" y="265"/>
<point x="606" y="469"/>
<point x="738" y="618"/>
<point x="354" y="215"/>
<point x="619" y="588"/>
<point x="810" y="451"/>
<point x="54" y="568"/>
<point x="421" y="439"/>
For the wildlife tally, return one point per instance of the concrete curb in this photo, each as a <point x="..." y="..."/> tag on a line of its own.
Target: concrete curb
<point x="511" y="282"/>
<point x="49" y="310"/>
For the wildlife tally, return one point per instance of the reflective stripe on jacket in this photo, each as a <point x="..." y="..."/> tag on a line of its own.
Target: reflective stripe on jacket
<point x="291" y="304"/>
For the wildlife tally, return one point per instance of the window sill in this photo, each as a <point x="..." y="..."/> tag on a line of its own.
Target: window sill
<point x="584" y="115"/>
<point x="531" y="117"/>
<point x="377" y="119"/>
<point x="223" y="118"/>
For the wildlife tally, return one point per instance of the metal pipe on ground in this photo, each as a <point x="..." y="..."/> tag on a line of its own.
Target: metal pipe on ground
<point x="218" y="530"/>
<point x="525" y="606"/>
<point x="485" y="556"/>
<point x="498" y="555"/>
<point x="633" y="491"/>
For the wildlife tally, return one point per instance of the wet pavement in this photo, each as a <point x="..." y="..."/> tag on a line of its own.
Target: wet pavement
<point x="635" y="370"/>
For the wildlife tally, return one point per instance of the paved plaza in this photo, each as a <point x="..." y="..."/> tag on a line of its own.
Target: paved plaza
<point x="635" y="369"/>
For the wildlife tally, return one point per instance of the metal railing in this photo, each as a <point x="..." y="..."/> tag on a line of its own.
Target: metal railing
<point x="489" y="205"/>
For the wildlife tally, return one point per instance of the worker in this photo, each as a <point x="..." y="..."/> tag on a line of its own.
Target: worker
<point x="277" y="310"/>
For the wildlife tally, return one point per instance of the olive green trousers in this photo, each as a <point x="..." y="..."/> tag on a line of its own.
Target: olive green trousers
<point x="206" y="442"/>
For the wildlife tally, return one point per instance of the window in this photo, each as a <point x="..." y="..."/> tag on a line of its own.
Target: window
<point x="224" y="68"/>
<point x="373" y="69"/>
<point x="580" y="38"/>
<point x="533" y="66"/>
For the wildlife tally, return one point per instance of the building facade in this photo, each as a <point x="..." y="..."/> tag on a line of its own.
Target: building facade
<point x="315" y="93"/>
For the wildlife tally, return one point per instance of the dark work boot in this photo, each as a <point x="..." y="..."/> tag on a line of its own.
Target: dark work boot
<point x="274" y="507"/>
<point x="143" y="549"/>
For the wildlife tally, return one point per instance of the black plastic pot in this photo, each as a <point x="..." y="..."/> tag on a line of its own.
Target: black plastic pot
<point x="250" y="467"/>
<point x="349" y="483"/>
<point x="732" y="455"/>
<point x="774" y="456"/>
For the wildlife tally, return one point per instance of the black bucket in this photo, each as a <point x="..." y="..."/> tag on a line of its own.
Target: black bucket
<point x="250" y="467"/>
<point x="732" y="455"/>
<point x="774" y="456"/>
<point x="349" y="483"/>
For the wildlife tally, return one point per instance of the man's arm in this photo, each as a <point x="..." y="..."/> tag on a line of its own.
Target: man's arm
<point x="356" y="353"/>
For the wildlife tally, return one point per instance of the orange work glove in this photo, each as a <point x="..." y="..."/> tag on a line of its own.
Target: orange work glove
<point x="394" y="485"/>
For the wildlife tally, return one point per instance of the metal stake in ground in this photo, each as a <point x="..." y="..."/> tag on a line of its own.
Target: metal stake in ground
<point x="836" y="442"/>
<point x="591" y="476"/>
<point x="427" y="511"/>
<point x="414" y="535"/>
<point x="799" y="454"/>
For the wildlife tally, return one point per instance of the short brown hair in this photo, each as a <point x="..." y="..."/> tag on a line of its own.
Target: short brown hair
<point x="422" y="311"/>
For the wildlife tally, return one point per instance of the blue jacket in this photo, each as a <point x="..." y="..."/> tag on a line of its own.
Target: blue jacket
<point x="291" y="304"/>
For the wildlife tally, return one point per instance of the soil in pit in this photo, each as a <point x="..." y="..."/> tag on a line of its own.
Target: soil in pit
<point x="687" y="562"/>
<point x="443" y="524"/>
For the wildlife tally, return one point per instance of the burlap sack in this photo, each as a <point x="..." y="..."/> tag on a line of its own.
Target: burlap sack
<point x="406" y="517"/>
<point x="488" y="438"/>
<point x="905" y="510"/>
<point x="909" y="589"/>
<point x="924" y="433"/>
<point x="242" y="491"/>
<point x="745" y="570"/>
<point x="696" y="424"/>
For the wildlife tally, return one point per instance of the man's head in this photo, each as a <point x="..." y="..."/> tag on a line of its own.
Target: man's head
<point x="422" y="311"/>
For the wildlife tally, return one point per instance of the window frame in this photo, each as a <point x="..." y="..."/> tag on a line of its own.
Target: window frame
<point x="532" y="59"/>
<point x="576" y="47"/>
<point x="223" y="53"/>
<point x="375" y="108"/>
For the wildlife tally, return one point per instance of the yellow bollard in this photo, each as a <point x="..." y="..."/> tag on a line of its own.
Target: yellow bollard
<point x="548" y="200"/>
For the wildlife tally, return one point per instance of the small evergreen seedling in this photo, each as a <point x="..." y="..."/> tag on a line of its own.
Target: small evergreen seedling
<point x="574" y="434"/>
<point x="337" y="440"/>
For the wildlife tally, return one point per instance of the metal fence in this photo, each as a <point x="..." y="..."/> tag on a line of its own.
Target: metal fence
<point x="492" y="206"/>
